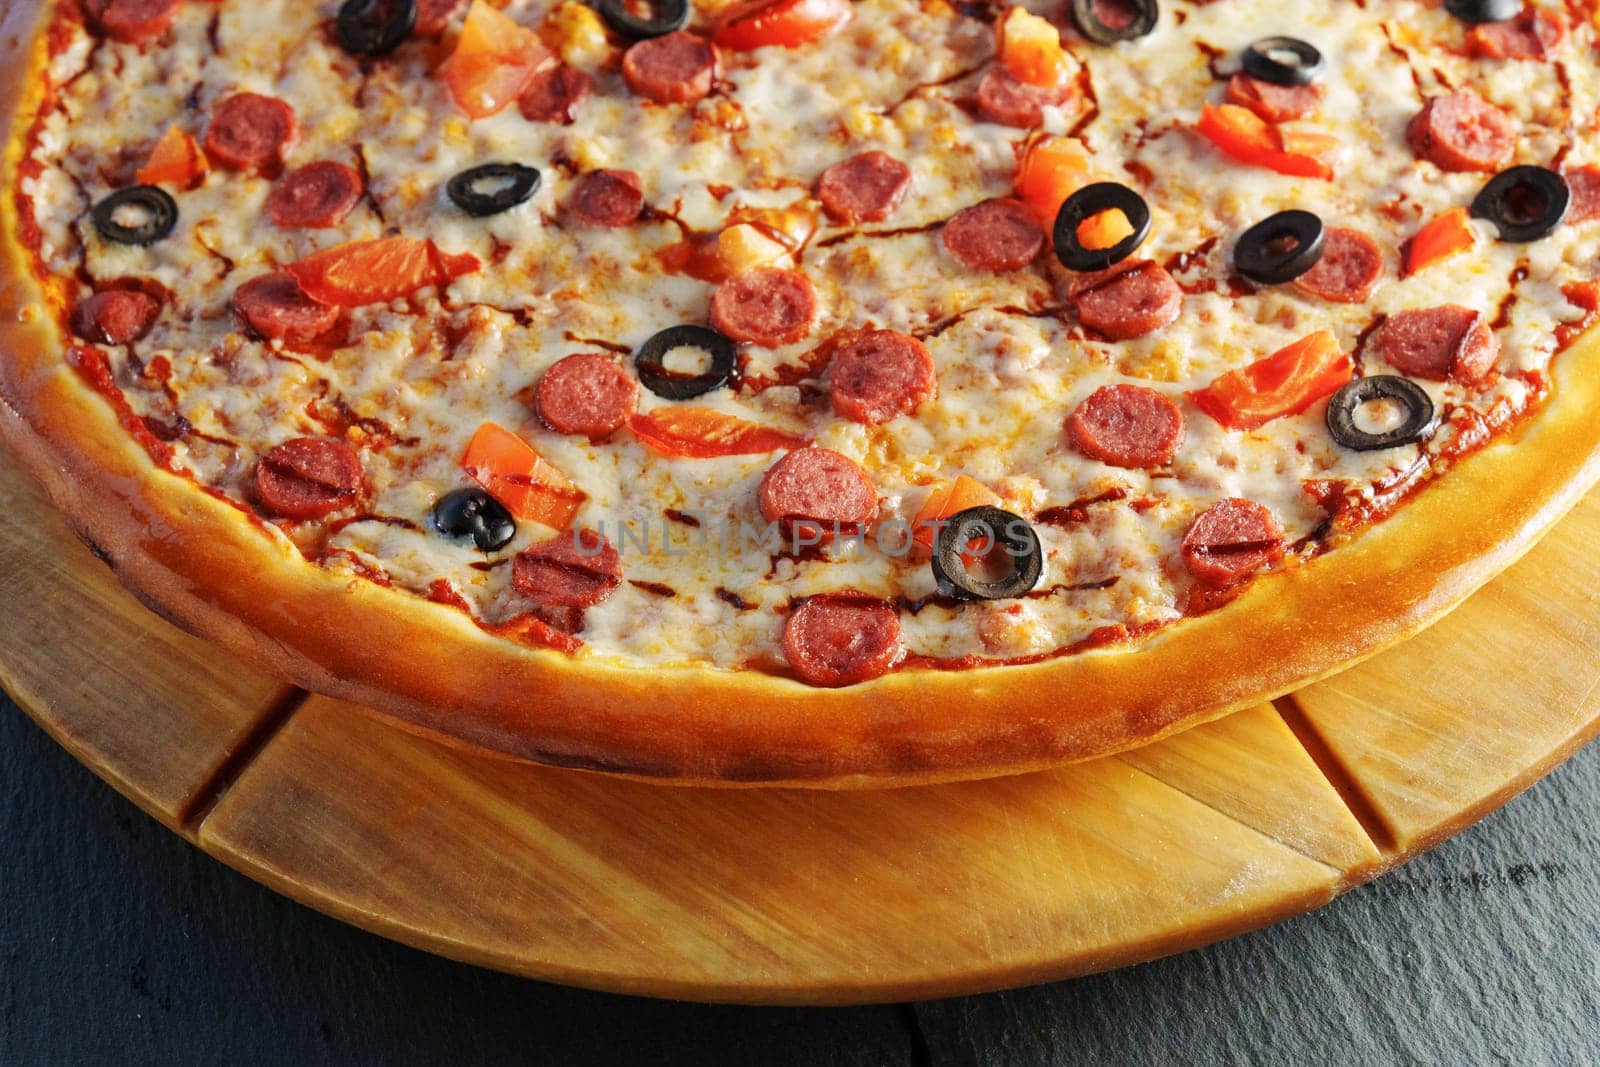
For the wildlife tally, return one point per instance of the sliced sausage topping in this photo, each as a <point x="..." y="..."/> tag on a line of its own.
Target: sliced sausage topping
<point x="308" y="478"/>
<point x="768" y="306"/>
<point x="276" y="308"/>
<point x="1584" y="183"/>
<point x="574" y="569"/>
<point x="863" y="188"/>
<point x="115" y="316"/>
<point x="1446" y="342"/>
<point x="433" y="17"/>
<point x="132" y="21"/>
<point x="679" y="68"/>
<point x="1127" y="426"/>
<point x="1129" y="300"/>
<point x="1007" y="101"/>
<point x="995" y="235"/>
<point x="554" y="94"/>
<point x="251" y="132"/>
<point x="1534" y="34"/>
<point x="880" y="374"/>
<point x="1349" y="269"/>
<point x="313" y="196"/>
<point x="1230" y="541"/>
<point x="1462" y="132"/>
<point x="608" y="197"/>
<point x="837" y="639"/>
<point x="587" y="393"/>
<point x="1274" y="103"/>
<point x="819" y="488"/>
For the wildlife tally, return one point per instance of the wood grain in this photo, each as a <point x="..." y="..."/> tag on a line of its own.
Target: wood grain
<point x="797" y="896"/>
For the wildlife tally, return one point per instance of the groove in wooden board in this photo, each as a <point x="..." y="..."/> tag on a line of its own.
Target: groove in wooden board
<point x="1251" y="767"/>
<point x="147" y="707"/>
<point x="1464" y="714"/>
<point x="1338" y="776"/>
<point x="771" y="895"/>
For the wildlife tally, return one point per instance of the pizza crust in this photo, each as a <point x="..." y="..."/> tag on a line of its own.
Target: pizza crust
<point x="211" y="569"/>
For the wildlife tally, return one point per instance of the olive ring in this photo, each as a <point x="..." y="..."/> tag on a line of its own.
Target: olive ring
<point x="1087" y="202"/>
<point x="472" y="512"/>
<point x="159" y="209"/>
<point x="1262" y="256"/>
<point x="997" y="528"/>
<point x="375" y="27"/>
<point x="1283" y="61"/>
<point x="669" y="16"/>
<point x="1342" y="409"/>
<point x="1524" y="203"/>
<point x="1091" y="25"/>
<point x="1476" y="11"/>
<point x="519" y="183"/>
<point x="673" y="385"/>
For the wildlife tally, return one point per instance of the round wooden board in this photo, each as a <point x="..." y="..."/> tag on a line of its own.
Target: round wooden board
<point x="808" y="897"/>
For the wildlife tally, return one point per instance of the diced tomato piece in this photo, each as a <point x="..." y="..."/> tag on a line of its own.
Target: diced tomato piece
<point x="787" y="23"/>
<point x="525" y="482"/>
<point x="1050" y="172"/>
<point x="945" y="502"/>
<point x="377" y="271"/>
<point x="698" y="433"/>
<point x="1440" y="239"/>
<point x="1242" y="134"/>
<point x="1104" y="229"/>
<point x="175" y="160"/>
<point x="1285" y="383"/>
<point x="494" y="61"/>
<point x="1030" y="48"/>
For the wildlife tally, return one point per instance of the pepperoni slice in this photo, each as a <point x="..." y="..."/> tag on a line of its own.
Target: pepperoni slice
<point x="1007" y="101"/>
<point x="820" y="488"/>
<point x="277" y="309"/>
<point x="115" y="316"/>
<point x="608" y="197"/>
<point x="1462" y="132"/>
<point x="251" y="132"/>
<point x="1274" y="103"/>
<point x="308" y="478"/>
<point x="997" y="235"/>
<point x="574" y="569"/>
<point x="879" y="375"/>
<point x="1534" y="34"/>
<point x="1438" y="343"/>
<point x="1127" y="426"/>
<point x="433" y="17"/>
<point x="1584" y="182"/>
<point x="767" y="306"/>
<point x="677" y="68"/>
<point x="314" y="196"/>
<point x="863" y="188"/>
<point x="1230" y="541"/>
<point x="1349" y="269"/>
<point x="587" y="394"/>
<point x="133" y="21"/>
<point x="837" y="639"/>
<point x="1129" y="300"/>
<point x="554" y="94"/>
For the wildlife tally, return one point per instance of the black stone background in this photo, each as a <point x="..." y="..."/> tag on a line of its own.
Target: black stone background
<point x="120" y="943"/>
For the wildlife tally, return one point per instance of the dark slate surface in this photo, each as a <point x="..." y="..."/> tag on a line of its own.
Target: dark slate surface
<point x="120" y="943"/>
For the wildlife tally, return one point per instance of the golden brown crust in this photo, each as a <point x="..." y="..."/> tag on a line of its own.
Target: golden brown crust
<point x="183" y="551"/>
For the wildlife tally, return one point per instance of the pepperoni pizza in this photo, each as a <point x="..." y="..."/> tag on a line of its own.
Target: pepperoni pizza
<point x="825" y="391"/>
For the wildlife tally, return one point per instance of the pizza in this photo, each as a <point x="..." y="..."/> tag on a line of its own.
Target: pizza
<point x="804" y="391"/>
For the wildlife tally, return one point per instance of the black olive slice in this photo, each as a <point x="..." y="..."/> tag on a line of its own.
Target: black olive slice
<point x="375" y="27"/>
<point x="492" y="188"/>
<point x="471" y="512"/>
<point x="1110" y="21"/>
<point x="675" y="385"/>
<point x="666" y="17"/>
<point x="1279" y="248"/>
<point x="1476" y="11"/>
<point x="1283" y="61"/>
<point x="154" y="211"/>
<point x="1347" y="401"/>
<point x="1087" y="203"/>
<point x="1009" y="534"/>
<point x="1524" y="203"/>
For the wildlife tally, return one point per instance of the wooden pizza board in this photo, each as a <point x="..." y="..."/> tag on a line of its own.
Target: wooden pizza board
<point x="794" y="896"/>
